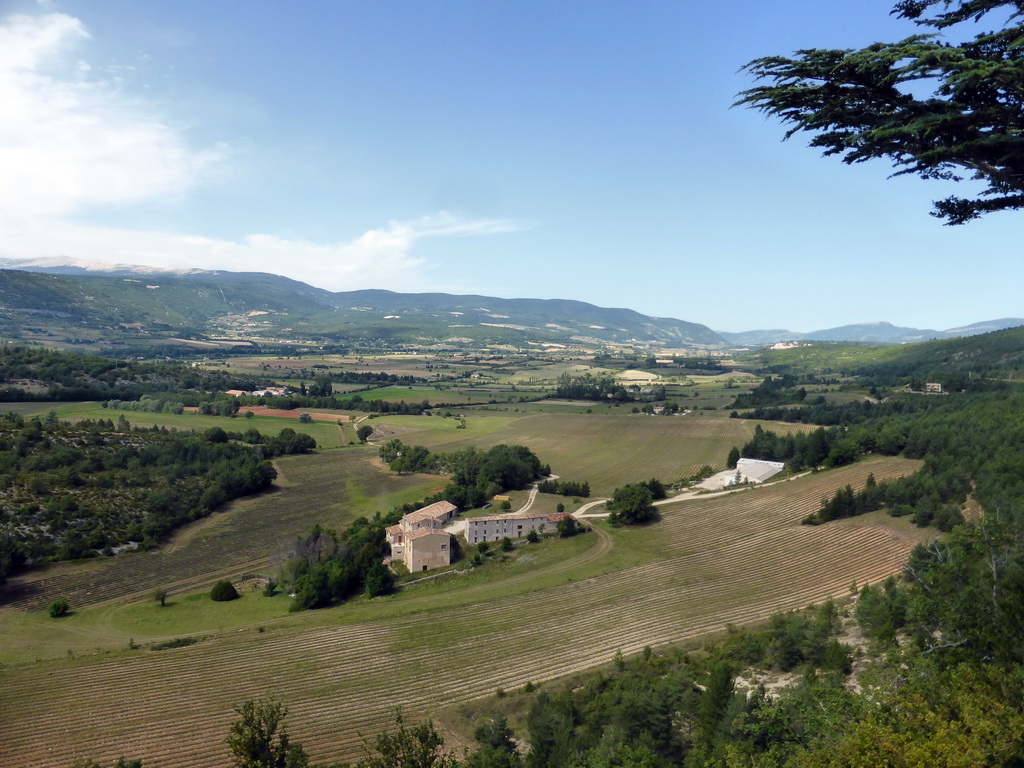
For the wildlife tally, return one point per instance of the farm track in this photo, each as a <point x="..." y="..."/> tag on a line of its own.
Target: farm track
<point x="735" y="559"/>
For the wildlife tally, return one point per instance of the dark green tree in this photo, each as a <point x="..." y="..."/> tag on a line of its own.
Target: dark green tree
<point x="59" y="608"/>
<point x="223" y="591"/>
<point x="871" y="103"/>
<point x="379" y="581"/>
<point x="419" y="746"/>
<point x="567" y="527"/>
<point x="632" y="505"/>
<point x="364" y="432"/>
<point x="733" y="458"/>
<point x="258" y="738"/>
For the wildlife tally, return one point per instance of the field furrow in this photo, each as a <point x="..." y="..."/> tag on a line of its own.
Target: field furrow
<point x="731" y="559"/>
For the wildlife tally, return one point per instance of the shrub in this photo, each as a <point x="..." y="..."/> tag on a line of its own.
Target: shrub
<point x="177" y="642"/>
<point x="533" y="537"/>
<point x="59" y="608"/>
<point x="270" y="588"/>
<point x="223" y="591"/>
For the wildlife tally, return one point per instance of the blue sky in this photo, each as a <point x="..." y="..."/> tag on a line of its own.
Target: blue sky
<point x="550" y="149"/>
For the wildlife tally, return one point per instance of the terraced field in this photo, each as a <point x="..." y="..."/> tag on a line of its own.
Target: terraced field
<point x="734" y="558"/>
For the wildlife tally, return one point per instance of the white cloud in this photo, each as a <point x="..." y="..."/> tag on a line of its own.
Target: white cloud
<point x="69" y="139"/>
<point x="380" y="257"/>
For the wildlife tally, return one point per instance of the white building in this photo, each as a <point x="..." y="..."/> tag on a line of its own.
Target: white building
<point x="753" y="471"/>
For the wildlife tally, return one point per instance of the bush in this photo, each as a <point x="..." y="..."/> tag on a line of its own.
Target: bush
<point x="533" y="537"/>
<point x="223" y="591"/>
<point x="59" y="608"/>
<point x="177" y="642"/>
<point x="270" y="588"/>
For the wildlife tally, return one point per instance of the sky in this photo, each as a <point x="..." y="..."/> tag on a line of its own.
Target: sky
<point x="541" y="149"/>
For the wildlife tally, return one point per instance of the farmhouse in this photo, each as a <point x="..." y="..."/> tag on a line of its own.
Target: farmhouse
<point x="515" y="526"/>
<point x="419" y="539"/>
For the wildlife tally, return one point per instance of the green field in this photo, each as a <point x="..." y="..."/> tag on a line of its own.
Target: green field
<point x="327" y="435"/>
<point x="606" y="450"/>
<point x="734" y="558"/>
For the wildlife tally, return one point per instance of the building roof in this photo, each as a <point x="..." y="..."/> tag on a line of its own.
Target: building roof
<point x="759" y="470"/>
<point x="434" y="511"/>
<point x="422" y="533"/>
<point x="557" y="517"/>
<point x="394" y="530"/>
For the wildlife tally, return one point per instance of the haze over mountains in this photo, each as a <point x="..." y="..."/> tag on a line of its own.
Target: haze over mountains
<point x="75" y="295"/>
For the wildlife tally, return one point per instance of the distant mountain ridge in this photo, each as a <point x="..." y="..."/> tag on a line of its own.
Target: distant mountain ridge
<point x="86" y="299"/>
<point x="869" y="333"/>
<point x="80" y="303"/>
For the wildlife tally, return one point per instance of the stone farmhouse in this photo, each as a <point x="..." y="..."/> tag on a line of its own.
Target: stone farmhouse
<point x="515" y="526"/>
<point x="419" y="539"/>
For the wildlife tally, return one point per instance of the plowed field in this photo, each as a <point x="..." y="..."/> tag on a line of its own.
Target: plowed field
<point x="735" y="558"/>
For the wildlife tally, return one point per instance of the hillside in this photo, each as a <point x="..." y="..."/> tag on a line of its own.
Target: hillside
<point x="870" y="333"/>
<point x="157" y="308"/>
<point x="997" y="352"/>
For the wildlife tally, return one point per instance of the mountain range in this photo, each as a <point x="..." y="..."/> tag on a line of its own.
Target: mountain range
<point x="82" y="302"/>
<point x="868" y="333"/>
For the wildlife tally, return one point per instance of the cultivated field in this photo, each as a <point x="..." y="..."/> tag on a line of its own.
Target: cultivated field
<point x="326" y="434"/>
<point x="331" y="488"/>
<point x="606" y="450"/>
<point x="733" y="558"/>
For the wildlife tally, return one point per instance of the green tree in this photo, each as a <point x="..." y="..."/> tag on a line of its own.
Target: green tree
<point x="567" y="527"/>
<point x="379" y="581"/>
<point x="871" y="103"/>
<point x="497" y="746"/>
<point x="59" y="608"/>
<point x="364" y="432"/>
<point x="258" y="738"/>
<point x="160" y="596"/>
<point x="632" y="505"/>
<point x="733" y="458"/>
<point x="418" y="746"/>
<point x="223" y="591"/>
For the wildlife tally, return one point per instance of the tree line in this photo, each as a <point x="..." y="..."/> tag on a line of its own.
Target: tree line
<point x="476" y="475"/>
<point x="84" y="489"/>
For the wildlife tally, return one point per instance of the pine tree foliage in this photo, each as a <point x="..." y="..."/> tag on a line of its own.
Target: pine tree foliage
<point x="865" y="104"/>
